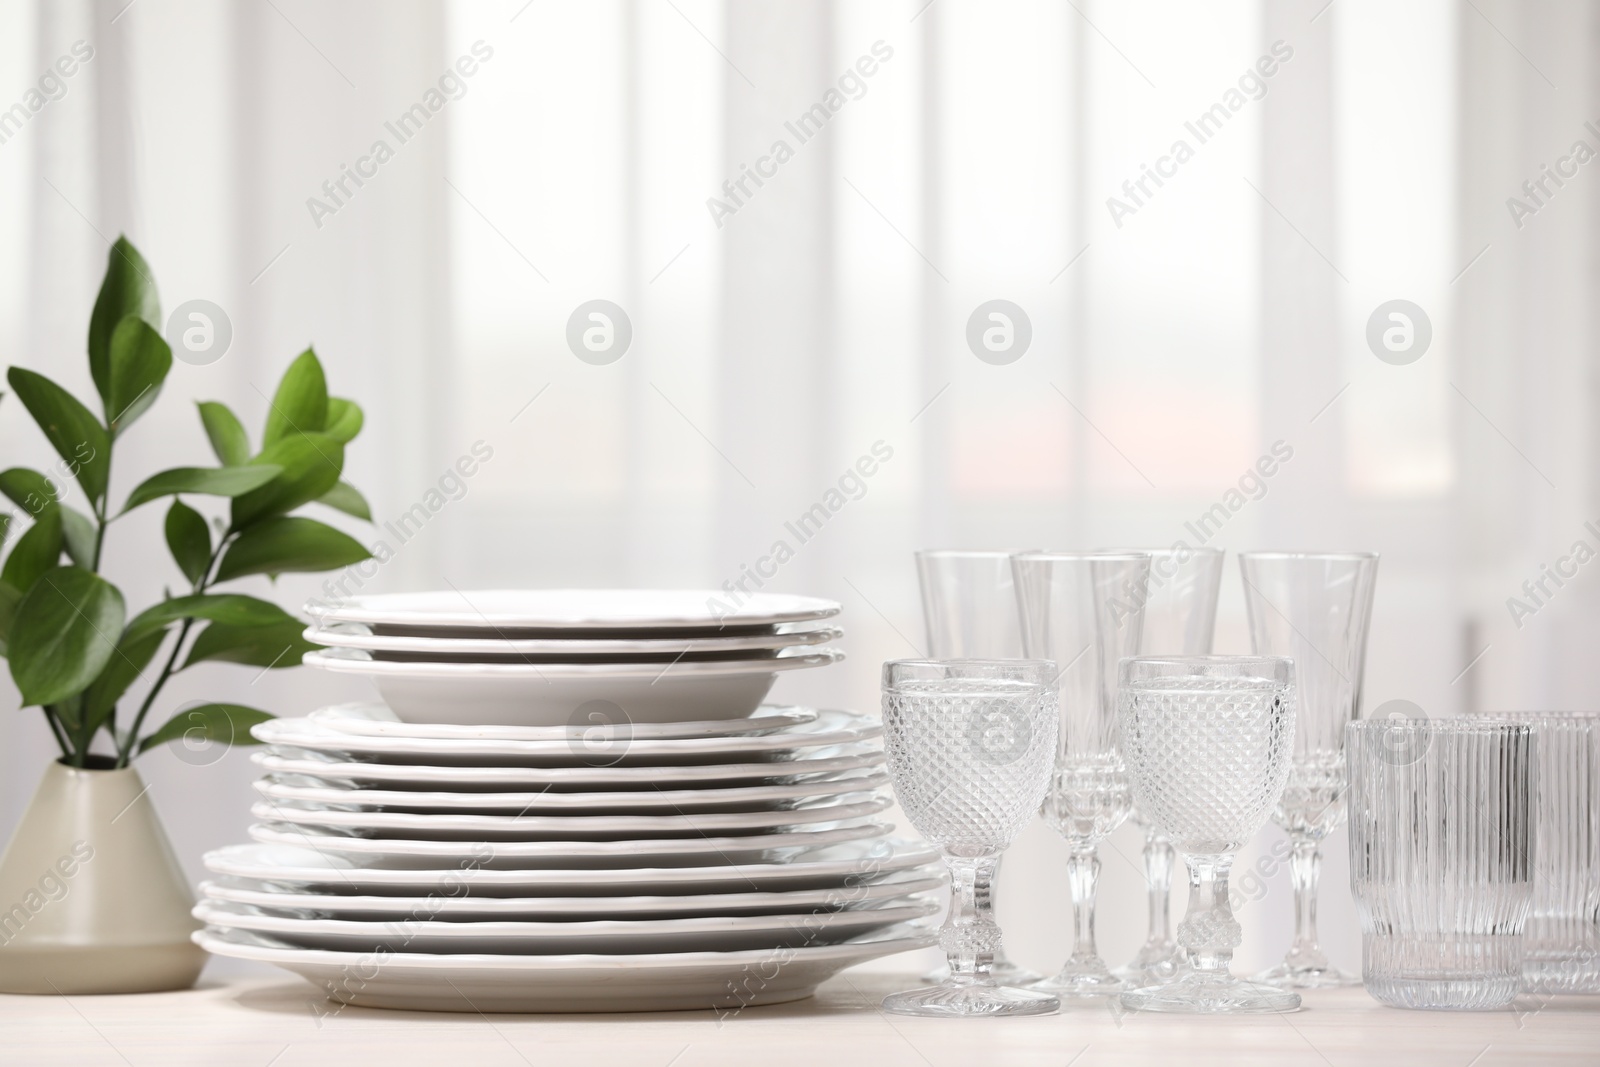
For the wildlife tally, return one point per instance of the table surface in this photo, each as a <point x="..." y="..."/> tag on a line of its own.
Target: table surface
<point x="267" y="1020"/>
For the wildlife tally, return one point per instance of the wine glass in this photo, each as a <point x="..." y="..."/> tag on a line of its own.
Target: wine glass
<point x="969" y="744"/>
<point x="1180" y="618"/>
<point x="1315" y="609"/>
<point x="1085" y="611"/>
<point x="969" y="611"/>
<point x="1207" y="740"/>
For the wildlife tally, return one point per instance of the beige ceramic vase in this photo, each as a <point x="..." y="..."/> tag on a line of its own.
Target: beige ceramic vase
<point x="92" y="899"/>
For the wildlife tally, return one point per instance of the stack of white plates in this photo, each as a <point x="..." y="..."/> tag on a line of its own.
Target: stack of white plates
<point x="647" y="866"/>
<point x="554" y="657"/>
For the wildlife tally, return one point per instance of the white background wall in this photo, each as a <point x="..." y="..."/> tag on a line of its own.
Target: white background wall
<point x="828" y="313"/>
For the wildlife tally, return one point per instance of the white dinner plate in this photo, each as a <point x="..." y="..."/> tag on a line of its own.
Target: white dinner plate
<point x="513" y="828"/>
<point x="748" y="798"/>
<point x="411" y="646"/>
<point x="700" y="934"/>
<point x="832" y="867"/>
<point x="828" y="728"/>
<point x="375" y="720"/>
<point x="475" y="982"/>
<point x="505" y="612"/>
<point x="451" y="904"/>
<point x="792" y="767"/>
<point x="560" y="694"/>
<point x="656" y="851"/>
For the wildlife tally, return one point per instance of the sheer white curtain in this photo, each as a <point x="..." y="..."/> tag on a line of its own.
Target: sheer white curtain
<point x="784" y="328"/>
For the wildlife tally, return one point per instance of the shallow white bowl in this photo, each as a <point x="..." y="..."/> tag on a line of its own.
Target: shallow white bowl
<point x="567" y="694"/>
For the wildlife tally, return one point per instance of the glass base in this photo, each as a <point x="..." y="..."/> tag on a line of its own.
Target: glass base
<point x="1081" y="977"/>
<point x="1327" y="976"/>
<point x="1198" y="993"/>
<point x="1486" y="993"/>
<point x="970" y="1000"/>
<point x="1004" y="972"/>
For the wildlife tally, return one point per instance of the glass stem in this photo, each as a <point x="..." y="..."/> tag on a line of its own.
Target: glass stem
<point x="1209" y="932"/>
<point x="1083" y="872"/>
<point x="1158" y="876"/>
<point x="970" y="935"/>
<point x="1305" y="865"/>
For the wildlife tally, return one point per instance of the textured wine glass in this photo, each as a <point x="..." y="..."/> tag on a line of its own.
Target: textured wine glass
<point x="1208" y="741"/>
<point x="969" y="611"/>
<point x="1561" y="942"/>
<point x="1180" y="619"/>
<point x="1085" y="611"/>
<point x="969" y="745"/>
<point x="1442" y="845"/>
<point x="1315" y="609"/>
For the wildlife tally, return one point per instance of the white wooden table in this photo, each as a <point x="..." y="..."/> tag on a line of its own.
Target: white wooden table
<point x="264" y="1019"/>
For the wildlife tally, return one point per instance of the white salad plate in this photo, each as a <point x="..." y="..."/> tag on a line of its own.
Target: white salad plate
<point x="513" y="828"/>
<point x="799" y="766"/>
<point x="451" y="904"/>
<point x="411" y="646"/>
<point x="375" y="720"/>
<point x="560" y="694"/>
<point x="476" y="982"/>
<point x="833" y="868"/>
<point x="652" y="851"/>
<point x="505" y="612"/>
<point x="700" y="934"/>
<point x="828" y="728"/>
<point x="682" y="801"/>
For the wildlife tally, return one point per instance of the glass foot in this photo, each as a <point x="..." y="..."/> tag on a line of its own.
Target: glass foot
<point x="970" y="1000"/>
<point x="1326" y="976"/>
<point x="1156" y="963"/>
<point x="1004" y="972"/>
<point x="1083" y="978"/>
<point x="1211" y="994"/>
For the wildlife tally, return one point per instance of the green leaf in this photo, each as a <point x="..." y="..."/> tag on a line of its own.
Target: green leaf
<point x="291" y="543"/>
<point x="210" y="481"/>
<point x="235" y="609"/>
<point x="78" y="534"/>
<point x="75" y="434"/>
<point x="301" y="404"/>
<point x="132" y="656"/>
<point x="226" y="432"/>
<point x="10" y="597"/>
<point x="256" y="646"/>
<point x="140" y="360"/>
<point x="227" y="724"/>
<point x="311" y="465"/>
<point x="348" y="499"/>
<point x="64" y="632"/>
<point x="28" y="489"/>
<point x="36" y="551"/>
<point x="128" y="289"/>
<point x="189" y="539"/>
<point x="344" y="419"/>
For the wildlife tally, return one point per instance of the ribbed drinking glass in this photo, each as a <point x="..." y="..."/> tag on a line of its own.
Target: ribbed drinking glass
<point x="1442" y="849"/>
<point x="1314" y="609"/>
<point x="1561" y="942"/>
<point x="1180" y="618"/>
<point x="969" y="610"/>
<point x="1208" y="742"/>
<point x="969" y="745"/>
<point x="1086" y="612"/>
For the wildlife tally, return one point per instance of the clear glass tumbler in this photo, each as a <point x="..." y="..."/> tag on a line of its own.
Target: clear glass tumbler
<point x="1085" y="611"/>
<point x="1208" y="740"/>
<point x="1442" y="843"/>
<point x="1561" y="942"/>
<point x="1316" y="610"/>
<point x="969" y="610"/>
<point x="969" y="746"/>
<point x="1180" y="619"/>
